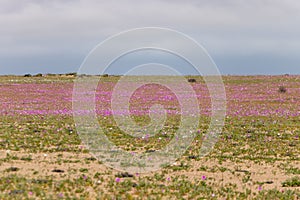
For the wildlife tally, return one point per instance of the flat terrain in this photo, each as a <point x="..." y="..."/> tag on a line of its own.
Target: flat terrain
<point x="257" y="155"/>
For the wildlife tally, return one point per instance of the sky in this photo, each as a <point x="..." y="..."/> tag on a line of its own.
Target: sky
<point x="242" y="37"/>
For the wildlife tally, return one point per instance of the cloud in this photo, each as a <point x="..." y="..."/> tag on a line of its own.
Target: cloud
<point x="67" y="30"/>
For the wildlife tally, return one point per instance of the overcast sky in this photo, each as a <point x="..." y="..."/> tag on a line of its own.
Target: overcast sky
<point x="242" y="37"/>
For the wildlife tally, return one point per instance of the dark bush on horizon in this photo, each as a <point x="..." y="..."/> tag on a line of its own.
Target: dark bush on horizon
<point x="27" y="75"/>
<point x="105" y="75"/>
<point x="38" y="75"/>
<point x="192" y="80"/>
<point x="71" y="74"/>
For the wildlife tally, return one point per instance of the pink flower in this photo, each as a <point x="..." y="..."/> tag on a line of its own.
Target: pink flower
<point x="118" y="179"/>
<point x="259" y="188"/>
<point x="203" y="178"/>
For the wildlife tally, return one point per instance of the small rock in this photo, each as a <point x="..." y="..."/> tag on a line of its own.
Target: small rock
<point x="124" y="175"/>
<point x="269" y="182"/>
<point x="58" y="171"/>
<point x="150" y="151"/>
<point x="241" y="170"/>
<point x="13" y="192"/>
<point x="91" y="159"/>
<point x="12" y="169"/>
<point x="134" y="185"/>
<point x="193" y="157"/>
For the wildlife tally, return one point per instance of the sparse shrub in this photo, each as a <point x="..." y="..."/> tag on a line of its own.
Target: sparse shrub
<point x="105" y="75"/>
<point x="293" y="182"/>
<point x="82" y="75"/>
<point x="83" y="170"/>
<point x="282" y="89"/>
<point x="49" y="74"/>
<point x="27" y="75"/>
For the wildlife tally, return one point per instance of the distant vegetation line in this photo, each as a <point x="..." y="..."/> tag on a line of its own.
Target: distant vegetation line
<point x="74" y="74"/>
